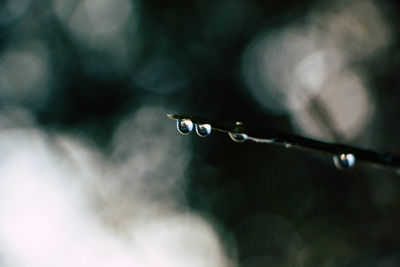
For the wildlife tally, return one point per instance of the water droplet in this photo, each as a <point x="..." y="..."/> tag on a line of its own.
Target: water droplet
<point x="184" y="126"/>
<point x="203" y="130"/>
<point x="344" y="161"/>
<point x="238" y="137"/>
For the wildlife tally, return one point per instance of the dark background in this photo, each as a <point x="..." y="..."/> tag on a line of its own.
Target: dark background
<point x="281" y="207"/>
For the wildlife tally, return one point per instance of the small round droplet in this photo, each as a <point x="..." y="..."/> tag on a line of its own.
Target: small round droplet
<point x="344" y="161"/>
<point x="184" y="126"/>
<point x="238" y="137"/>
<point x="203" y="130"/>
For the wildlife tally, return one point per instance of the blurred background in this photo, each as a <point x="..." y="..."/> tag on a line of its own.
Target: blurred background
<point x="93" y="173"/>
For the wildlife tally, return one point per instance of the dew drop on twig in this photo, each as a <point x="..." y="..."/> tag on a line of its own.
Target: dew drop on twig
<point x="184" y="126"/>
<point x="238" y="137"/>
<point x="203" y="130"/>
<point x="344" y="161"/>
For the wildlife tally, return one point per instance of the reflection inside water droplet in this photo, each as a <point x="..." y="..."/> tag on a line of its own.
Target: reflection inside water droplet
<point x="203" y="130"/>
<point x="344" y="161"/>
<point x="238" y="137"/>
<point x="184" y="126"/>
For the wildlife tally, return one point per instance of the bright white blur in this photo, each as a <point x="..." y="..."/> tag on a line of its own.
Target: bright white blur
<point x="309" y="70"/>
<point x="91" y="21"/>
<point x="64" y="204"/>
<point x="106" y="29"/>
